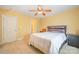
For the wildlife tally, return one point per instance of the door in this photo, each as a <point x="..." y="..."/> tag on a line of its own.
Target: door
<point x="9" y="28"/>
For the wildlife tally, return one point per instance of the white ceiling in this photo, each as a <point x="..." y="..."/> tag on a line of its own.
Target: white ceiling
<point x="25" y="8"/>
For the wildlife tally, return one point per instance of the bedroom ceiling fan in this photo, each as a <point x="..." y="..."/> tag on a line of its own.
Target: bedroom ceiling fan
<point x="40" y="10"/>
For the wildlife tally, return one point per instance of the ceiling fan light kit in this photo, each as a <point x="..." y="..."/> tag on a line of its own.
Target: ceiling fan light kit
<point x="40" y="10"/>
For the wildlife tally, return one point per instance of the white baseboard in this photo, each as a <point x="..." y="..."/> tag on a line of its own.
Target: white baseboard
<point x="20" y="38"/>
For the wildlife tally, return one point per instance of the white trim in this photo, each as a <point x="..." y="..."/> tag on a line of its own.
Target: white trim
<point x="2" y="29"/>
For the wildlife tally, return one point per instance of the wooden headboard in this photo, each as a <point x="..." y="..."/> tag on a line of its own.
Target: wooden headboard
<point x="57" y="28"/>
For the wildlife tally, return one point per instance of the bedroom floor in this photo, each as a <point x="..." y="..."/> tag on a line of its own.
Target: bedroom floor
<point x="18" y="47"/>
<point x="69" y="50"/>
<point x="22" y="47"/>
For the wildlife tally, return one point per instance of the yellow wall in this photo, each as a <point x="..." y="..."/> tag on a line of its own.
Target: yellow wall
<point x="23" y="21"/>
<point x="69" y="18"/>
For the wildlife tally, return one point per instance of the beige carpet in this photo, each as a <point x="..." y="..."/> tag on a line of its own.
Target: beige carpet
<point x="18" y="47"/>
<point x="69" y="50"/>
<point x="22" y="47"/>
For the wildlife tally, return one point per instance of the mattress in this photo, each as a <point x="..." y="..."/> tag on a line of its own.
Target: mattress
<point x="48" y="42"/>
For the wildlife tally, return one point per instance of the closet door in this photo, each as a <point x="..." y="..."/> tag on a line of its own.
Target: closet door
<point x="10" y="28"/>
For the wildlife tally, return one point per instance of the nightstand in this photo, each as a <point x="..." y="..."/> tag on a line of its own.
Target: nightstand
<point x="43" y="30"/>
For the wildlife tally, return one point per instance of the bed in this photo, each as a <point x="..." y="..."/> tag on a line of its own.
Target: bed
<point x="51" y="41"/>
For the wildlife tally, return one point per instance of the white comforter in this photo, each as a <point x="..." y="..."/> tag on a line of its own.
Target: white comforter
<point x="48" y="42"/>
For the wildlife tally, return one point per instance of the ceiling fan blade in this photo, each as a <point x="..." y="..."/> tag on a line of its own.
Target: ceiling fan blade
<point x="39" y="8"/>
<point x="33" y="10"/>
<point x="43" y="13"/>
<point x="35" y="13"/>
<point x="48" y="10"/>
